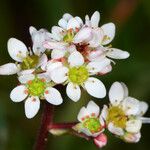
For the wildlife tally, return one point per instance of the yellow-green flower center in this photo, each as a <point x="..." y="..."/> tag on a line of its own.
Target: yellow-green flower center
<point x="78" y="75"/>
<point x="92" y="124"/>
<point x="68" y="38"/>
<point x="36" y="87"/>
<point x="29" y="62"/>
<point x="117" y="116"/>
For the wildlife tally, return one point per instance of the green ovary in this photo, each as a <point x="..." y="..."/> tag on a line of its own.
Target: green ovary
<point x="36" y="87"/>
<point x="30" y="62"/>
<point x="92" y="124"/>
<point x="117" y="116"/>
<point x="78" y="75"/>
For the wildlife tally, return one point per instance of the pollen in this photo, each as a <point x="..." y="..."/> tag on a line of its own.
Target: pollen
<point x="117" y="116"/>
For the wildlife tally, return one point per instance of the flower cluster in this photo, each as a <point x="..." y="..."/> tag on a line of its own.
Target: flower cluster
<point x="74" y="54"/>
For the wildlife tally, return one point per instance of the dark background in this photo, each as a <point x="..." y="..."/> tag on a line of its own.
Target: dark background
<point x="132" y="18"/>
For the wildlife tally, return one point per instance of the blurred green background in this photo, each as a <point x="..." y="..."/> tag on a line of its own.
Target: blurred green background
<point x="132" y="18"/>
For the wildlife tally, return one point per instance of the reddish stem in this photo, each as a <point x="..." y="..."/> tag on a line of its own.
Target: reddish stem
<point x="47" y="120"/>
<point x="62" y="125"/>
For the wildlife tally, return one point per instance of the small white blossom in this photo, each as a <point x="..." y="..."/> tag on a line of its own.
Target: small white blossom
<point x="124" y="115"/>
<point x="91" y="123"/>
<point x="34" y="88"/>
<point x="25" y="59"/>
<point x="75" y="72"/>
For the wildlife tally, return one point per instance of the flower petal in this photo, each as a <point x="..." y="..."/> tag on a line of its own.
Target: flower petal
<point x="45" y="76"/>
<point x="67" y="16"/>
<point x="25" y="78"/>
<point x="17" y="49"/>
<point x="53" y="96"/>
<point x="95" y="88"/>
<point x="106" y="70"/>
<point x="53" y="65"/>
<point x="116" y="93"/>
<point x="133" y="126"/>
<point x="104" y="112"/>
<point x="117" y="54"/>
<point x="9" y="69"/>
<point x="57" y="53"/>
<point x="93" y="109"/>
<point x="19" y="93"/>
<point x="143" y="108"/>
<point x="132" y="137"/>
<point x="73" y="24"/>
<point x="95" y="19"/>
<point x="75" y="59"/>
<point x="131" y="106"/>
<point x="55" y="45"/>
<point x="115" y="130"/>
<point x="59" y="75"/>
<point x="62" y="23"/>
<point x="32" y="106"/>
<point x="83" y="35"/>
<point x="73" y="91"/>
<point x="126" y="92"/>
<point x="97" y="66"/>
<point x="43" y="60"/>
<point x="109" y="32"/>
<point x="82" y="114"/>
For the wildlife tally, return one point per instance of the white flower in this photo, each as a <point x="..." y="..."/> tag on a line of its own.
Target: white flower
<point x="75" y="73"/>
<point x="25" y="59"/>
<point x="32" y="89"/>
<point x="124" y="115"/>
<point x="38" y="38"/>
<point x="91" y="123"/>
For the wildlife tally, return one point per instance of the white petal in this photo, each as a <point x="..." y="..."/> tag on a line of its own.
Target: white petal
<point x="82" y="114"/>
<point x="59" y="75"/>
<point x="116" y="93"/>
<point x="115" y="130"/>
<point x="53" y="96"/>
<point x="93" y="109"/>
<point x="32" y="106"/>
<point x="87" y="21"/>
<point x="117" y="54"/>
<point x="18" y="94"/>
<point x="97" y="37"/>
<point x="55" y="45"/>
<point x="126" y="92"/>
<point x="143" y="108"/>
<point x="67" y="16"/>
<point x="73" y="91"/>
<point x="45" y="76"/>
<point x="43" y="60"/>
<point x="104" y="112"/>
<point x="53" y="65"/>
<point x="25" y="78"/>
<point x="133" y="126"/>
<point x="29" y="71"/>
<point x="101" y="140"/>
<point x="62" y="23"/>
<point x="79" y="20"/>
<point x="132" y="137"/>
<point x="95" y="88"/>
<point x="32" y="30"/>
<point x="17" y="49"/>
<point x="57" y="53"/>
<point x="95" y="19"/>
<point x="131" y="106"/>
<point x="83" y="35"/>
<point x="9" y="69"/>
<point x="97" y="66"/>
<point x="73" y="24"/>
<point x="106" y="70"/>
<point x="75" y="59"/>
<point x="109" y="31"/>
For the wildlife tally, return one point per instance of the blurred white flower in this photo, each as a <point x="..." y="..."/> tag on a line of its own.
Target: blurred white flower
<point x="91" y="123"/>
<point x="32" y="89"/>
<point x="75" y="72"/>
<point x="38" y="38"/>
<point x="124" y="114"/>
<point x="25" y="59"/>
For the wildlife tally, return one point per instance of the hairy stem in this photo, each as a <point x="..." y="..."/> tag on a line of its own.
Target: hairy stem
<point x="46" y="120"/>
